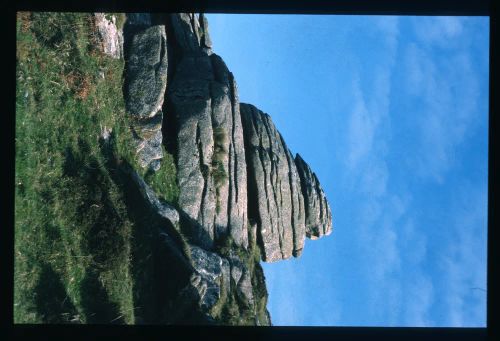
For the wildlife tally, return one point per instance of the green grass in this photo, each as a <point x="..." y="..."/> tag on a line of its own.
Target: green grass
<point x="75" y="243"/>
<point x="163" y="182"/>
<point x="86" y="250"/>
<point x="218" y="172"/>
<point x="230" y="310"/>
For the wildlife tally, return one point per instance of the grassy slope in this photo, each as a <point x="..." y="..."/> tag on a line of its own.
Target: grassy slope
<point x="79" y="255"/>
<point x="73" y="236"/>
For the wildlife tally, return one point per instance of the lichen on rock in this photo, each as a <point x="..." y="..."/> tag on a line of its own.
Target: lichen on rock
<point x="145" y="84"/>
<point x="243" y="197"/>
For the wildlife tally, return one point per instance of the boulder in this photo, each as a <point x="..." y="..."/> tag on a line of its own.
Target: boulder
<point x="145" y="74"/>
<point x="211" y="269"/>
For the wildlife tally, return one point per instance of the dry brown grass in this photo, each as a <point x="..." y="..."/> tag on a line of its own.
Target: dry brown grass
<point x="79" y="83"/>
<point x="22" y="50"/>
<point x="23" y="47"/>
<point x="25" y="19"/>
<point x="96" y="45"/>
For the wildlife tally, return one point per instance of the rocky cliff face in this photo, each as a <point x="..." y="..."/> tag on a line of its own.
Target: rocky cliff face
<point x="243" y="196"/>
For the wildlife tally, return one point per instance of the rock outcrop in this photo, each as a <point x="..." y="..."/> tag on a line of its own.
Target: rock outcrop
<point x="317" y="210"/>
<point x="275" y="185"/>
<point x="145" y="84"/>
<point x="215" y="280"/>
<point x="210" y="155"/>
<point x="243" y="197"/>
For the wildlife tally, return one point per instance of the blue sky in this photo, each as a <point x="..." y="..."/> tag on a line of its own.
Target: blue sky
<point x="392" y="115"/>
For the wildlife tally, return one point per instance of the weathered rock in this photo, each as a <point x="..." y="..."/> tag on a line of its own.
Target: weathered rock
<point x="149" y="150"/>
<point x="318" y="213"/>
<point x="192" y="107"/>
<point x="186" y="28"/>
<point x="146" y="69"/>
<point x="210" y="157"/>
<point x="229" y="137"/>
<point x="146" y="129"/>
<point x="275" y="187"/>
<point x="161" y="208"/>
<point x="238" y="182"/>
<point x="205" y="40"/>
<point x="111" y="38"/>
<point x="145" y="84"/>
<point x="218" y="140"/>
<point x="211" y="269"/>
<point x="241" y="278"/>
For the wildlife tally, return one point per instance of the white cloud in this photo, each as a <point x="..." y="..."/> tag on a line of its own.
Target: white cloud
<point x="414" y="243"/>
<point x="380" y="208"/>
<point x="463" y="261"/>
<point x="418" y="301"/>
<point x="368" y="114"/>
<point x="374" y="182"/>
<point x="440" y="31"/>
<point x="361" y="129"/>
<point x="445" y="90"/>
<point x="389" y="27"/>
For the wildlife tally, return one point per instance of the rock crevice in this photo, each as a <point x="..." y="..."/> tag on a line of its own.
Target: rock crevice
<point x="239" y="185"/>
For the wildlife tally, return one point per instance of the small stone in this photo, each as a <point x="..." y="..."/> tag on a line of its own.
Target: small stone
<point x="111" y="38"/>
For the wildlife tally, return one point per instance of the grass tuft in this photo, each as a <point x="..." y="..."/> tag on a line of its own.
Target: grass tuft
<point x="73" y="236"/>
<point x="85" y="251"/>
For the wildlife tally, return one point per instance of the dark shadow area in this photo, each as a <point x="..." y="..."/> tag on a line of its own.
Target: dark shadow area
<point x="146" y="284"/>
<point x="99" y="219"/>
<point x="174" y="50"/>
<point x="96" y="305"/>
<point x="147" y="279"/>
<point x="169" y="127"/>
<point x="252" y="204"/>
<point x="157" y="274"/>
<point x="52" y="301"/>
<point x="45" y="30"/>
<point x="97" y="212"/>
<point x="174" y="55"/>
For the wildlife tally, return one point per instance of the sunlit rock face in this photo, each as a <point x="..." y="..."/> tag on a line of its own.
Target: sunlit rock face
<point x="203" y="101"/>
<point x="145" y="76"/>
<point x="243" y="197"/>
<point x="110" y="37"/>
<point x="287" y="201"/>
<point x="318" y="213"/>
<point x="277" y="199"/>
